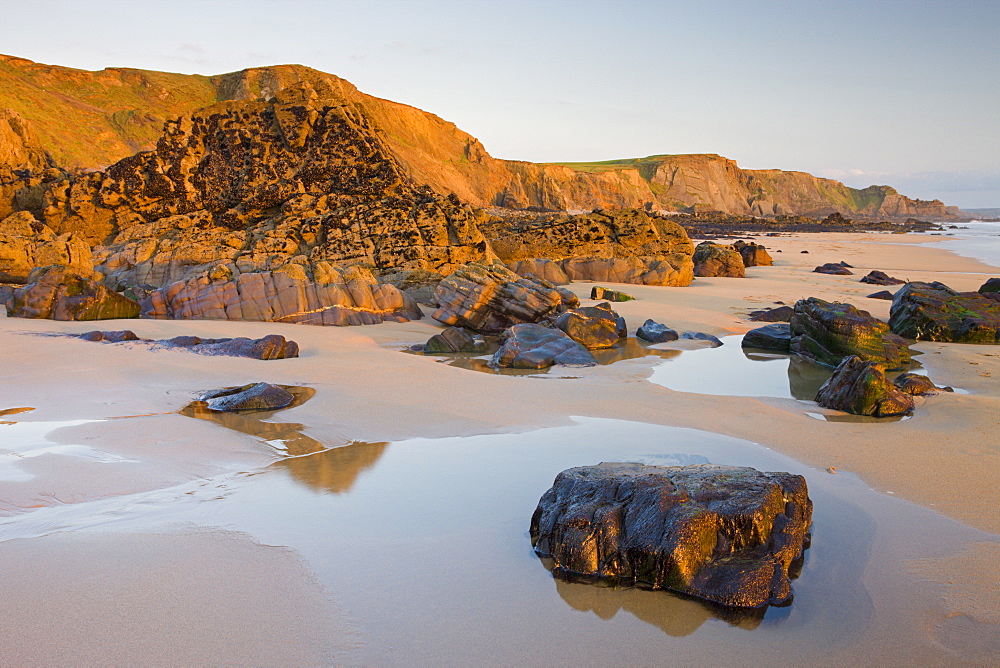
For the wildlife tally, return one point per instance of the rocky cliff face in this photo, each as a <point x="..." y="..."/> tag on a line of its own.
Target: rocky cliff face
<point x="92" y="119"/>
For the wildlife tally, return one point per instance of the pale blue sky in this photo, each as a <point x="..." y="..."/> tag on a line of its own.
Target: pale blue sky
<point x="900" y="92"/>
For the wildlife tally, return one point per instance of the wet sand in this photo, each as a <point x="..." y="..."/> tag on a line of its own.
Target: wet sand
<point x="134" y="474"/>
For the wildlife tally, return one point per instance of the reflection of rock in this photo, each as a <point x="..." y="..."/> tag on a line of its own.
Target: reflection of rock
<point x="675" y="615"/>
<point x="722" y="533"/>
<point x="335" y="470"/>
<point x="250" y="397"/>
<point x="826" y="332"/>
<point x="935" y="312"/>
<point x="805" y="378"/>
<point x="592" y="326"/>
<point x="57" y="293"/>
<point x="776" y="337"/>
<point x="530" y="346"/>
<point x="860" y="387"/>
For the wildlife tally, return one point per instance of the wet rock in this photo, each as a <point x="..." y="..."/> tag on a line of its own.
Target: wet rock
<point x="490" y="299"/>
<point x="110" y="337"/>
<point x="655" y="332"/>
<point x="592" y="326"/>
<point x="753" y="254"/>
<point x="57" y="293"/>
<point x="711" y="259"/>
<point x="776" y="337"/>
<point x="531" y="346"/>
<point x="836" y="268"/>
<point x="876" y="277"/>
<point x="271" y="347"/>
<point x="827" y="332"/>
<point x="860" y="387"/>
<point x="455" y="340"/>
<point x="914" y="383"/>
<point x="721" y="533"/>
<point x="569" y="298"/>
<point x="348" y="297"/>
<point x="881" y="294"/>
<point x="935" y="312"/>
<point x="250" y="397"/>
<point x="702" y="336"/>
<point x="598" y="292"/>
<point x="780" y="314"/>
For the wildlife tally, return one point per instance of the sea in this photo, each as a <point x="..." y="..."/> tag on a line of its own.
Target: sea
<point x="978" y="239"/>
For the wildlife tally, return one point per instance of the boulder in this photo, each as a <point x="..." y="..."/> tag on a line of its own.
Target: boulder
<point x="991" y="286"/>
<point x="836" y="268"/>
<point x="597" y="292"/>
<point x="935" y="312"/>
<point x="491" y="298"/>
<point x="271" y="347"/>
<point x="702" y="336"/>
<point x="655" y="332"/>
<point x="531" y="346"/>
<point x="881" y="294"/>
<point x="827" y="332"/>
<point x="776" y="337"/>
<point x="455" y="340"/>
<point x="57" y="293"/>
<point x="860" y="387"/>
<point x="753" y="254"/>
<point x="876" y="277"/>
<point x="592" y="326"/>
<point x="779" y="314"/>
<point x="914" y="383"/>
<point x="569" y="298"/>
<point x="722" y="533"/>
<point x="250" y="397"/>
<point x="711" y="259"/>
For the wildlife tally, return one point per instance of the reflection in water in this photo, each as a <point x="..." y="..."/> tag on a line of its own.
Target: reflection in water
<point x="847" y="417"/>
<point x="284" y="436"/>
<point x="805" y="378"/>
<point x="334" y="470"/>
<point x="672" y="613"/>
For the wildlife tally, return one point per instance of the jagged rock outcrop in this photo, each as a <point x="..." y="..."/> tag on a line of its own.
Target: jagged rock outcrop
<point x="57" y="293"/>
<point x="26" y="244"/>
<point x="622" y="246"/>
<point x="827" y="332"/>
<point x="288" y="295"/>
<point x="711" y="259"/>
<point x="935" y="312"/>
<point x="532" y="346"/>
<point x="722" y="533"/>
<point x="776" y="337"/>
<point x="753" y="254"/>
<point x="592" y="326"/>
<point x="490" y="299"/>
<point x="25" y="165"/>
<point x="860" y="387"/>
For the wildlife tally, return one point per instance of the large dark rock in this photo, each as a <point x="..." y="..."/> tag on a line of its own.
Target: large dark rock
<point x="722" y="533"/>
<point x="753" y="254"/>
<point x="860" y="387"/>
<point x="876" y="277"/>
<point x="881" y="294"/>
<point x="776" y="337"/>
<point x="531" y="346"/>
<point x="270" y="347"/>
<point x="250" y="397"/>
<point x="991" y="285"/>
<point x="592" y="326"/>
<point x="780" y="314"/>
<point x="711" y="259"/>
<point x="655" y="332"/>
<point x="455" y="340"/>
<point x="55" y="292"/>
<point x="492" y="298"/>
<point x="935" y="312"/>
<point x="827" y="332"/>
<point x="836" y="268"/>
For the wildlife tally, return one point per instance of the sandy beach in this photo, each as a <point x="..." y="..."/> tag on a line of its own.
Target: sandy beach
<point x="150" y="520"/>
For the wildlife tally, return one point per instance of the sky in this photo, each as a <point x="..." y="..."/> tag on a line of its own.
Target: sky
<point x="890" y="92"/>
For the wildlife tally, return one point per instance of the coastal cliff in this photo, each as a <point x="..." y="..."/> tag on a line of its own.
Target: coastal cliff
<point x="89" y="120"/>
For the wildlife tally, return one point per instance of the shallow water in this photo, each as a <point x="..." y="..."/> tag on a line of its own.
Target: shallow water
<point x="981" y="241"/>
<point x="425" y="544"/>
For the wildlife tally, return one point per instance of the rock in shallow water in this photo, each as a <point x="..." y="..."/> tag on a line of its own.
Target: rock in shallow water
<point x="250" y="397"/>
<point x="531" y="346"/>
<point x="656" y="332"/>
<point x="592" y="326"/>
<point x="776" y="337"/>
<point x="827" y="332"/>
<point x="860" y="387"/>
<point x="722" y="533"/>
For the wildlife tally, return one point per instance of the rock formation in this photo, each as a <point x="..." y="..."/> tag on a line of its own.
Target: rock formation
<point x="779" y="314"/>
<point x="702" y="336"/>
<point x="860" y="387"/>
<point x="722" y="533"/>
<point x="753" y="254"/>
<point x="26" y="244"/>
<point x="597" y="292"/>
<point x="835" y="268"/>
<point x="270" y="347"/>
<point x="827" y="332"/>
<point x="773" y="338"/>
<point x="592" y="326"/>
<point x="655" y="332"/>
<point x="876" y="277"/>
<point x="711" y="259"/>
<point x="935" y="312"/>
<point x="250" y="397"/>
<point x="454" y="340"/>
<point x="532" y="346"/>
<point x="55" y="292"/>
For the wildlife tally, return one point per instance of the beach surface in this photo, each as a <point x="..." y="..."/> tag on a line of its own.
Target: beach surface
<point x="102" y="476"/>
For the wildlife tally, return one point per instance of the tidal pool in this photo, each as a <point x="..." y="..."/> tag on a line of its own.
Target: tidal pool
<point x="424" y="544"/>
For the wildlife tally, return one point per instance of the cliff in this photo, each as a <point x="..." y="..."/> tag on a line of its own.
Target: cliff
<point x="89" y="120"/>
